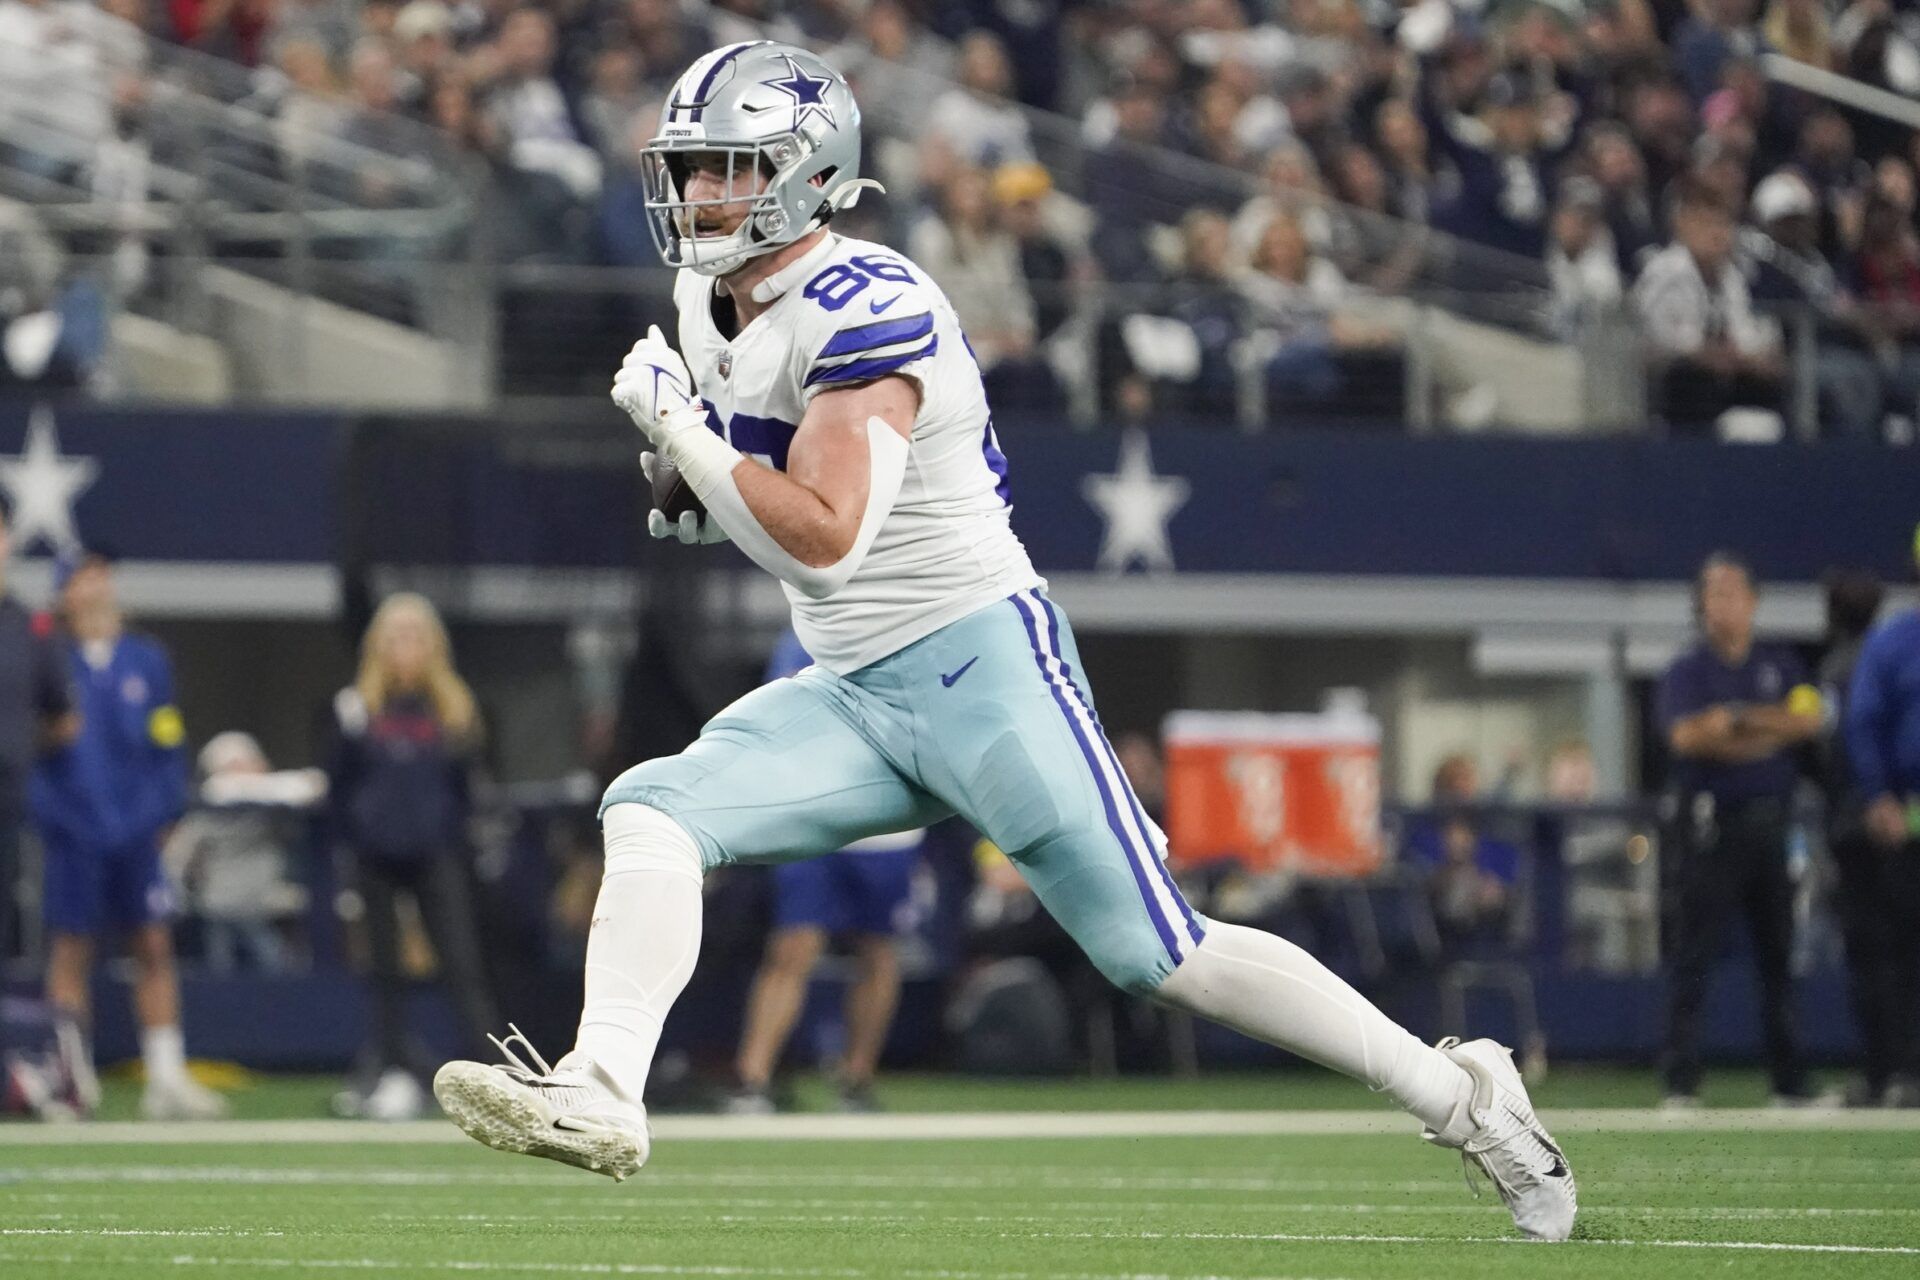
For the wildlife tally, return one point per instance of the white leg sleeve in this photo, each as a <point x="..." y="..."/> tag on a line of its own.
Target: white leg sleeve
<point x="1267" y="988"/>
<point x="643" y="943"/>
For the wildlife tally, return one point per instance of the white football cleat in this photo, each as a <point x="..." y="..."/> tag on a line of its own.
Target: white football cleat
<point x="1505" y="1140"/>
<point x="571" y="1114"/>
<point x="181" y="1099"/>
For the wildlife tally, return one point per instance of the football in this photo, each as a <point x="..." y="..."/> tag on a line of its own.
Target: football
<point x="671" y="492"/>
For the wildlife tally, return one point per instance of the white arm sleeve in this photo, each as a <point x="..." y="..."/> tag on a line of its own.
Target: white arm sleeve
<point x="710" y="472"/>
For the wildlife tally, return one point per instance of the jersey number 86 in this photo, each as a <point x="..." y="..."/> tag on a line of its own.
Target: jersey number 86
<point x="834" y="287"/>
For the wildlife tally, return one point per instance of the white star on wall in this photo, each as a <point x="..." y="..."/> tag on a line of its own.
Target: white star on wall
<point x="42" y="486"/>
<point x="1136" y="504"/>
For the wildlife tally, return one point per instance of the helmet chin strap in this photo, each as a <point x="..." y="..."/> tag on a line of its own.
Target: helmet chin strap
<point x="847" y="194"/>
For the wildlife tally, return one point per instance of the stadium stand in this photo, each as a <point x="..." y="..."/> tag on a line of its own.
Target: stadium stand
<point x="1421" y="198"/>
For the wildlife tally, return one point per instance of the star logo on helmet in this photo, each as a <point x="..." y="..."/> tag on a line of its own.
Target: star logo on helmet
<point x="809" y="94"/>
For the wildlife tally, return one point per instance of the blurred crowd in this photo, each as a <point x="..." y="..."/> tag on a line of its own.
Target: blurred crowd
<point x="1260" y="168"/>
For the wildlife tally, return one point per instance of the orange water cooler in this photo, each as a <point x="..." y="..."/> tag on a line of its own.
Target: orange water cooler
<point x="1276" y="792"/>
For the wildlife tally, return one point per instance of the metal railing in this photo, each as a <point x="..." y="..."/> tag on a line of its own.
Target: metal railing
<point x="225" y="157"/>
<point x="202" y="159"/>
<point x="538" y="338"/>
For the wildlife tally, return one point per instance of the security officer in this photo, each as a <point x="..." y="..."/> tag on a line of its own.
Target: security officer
<point x="103" y="806"/>
<point x="1883" y="749"/>
<point x="1732" y="712"/>
<point x="36" y="714"/>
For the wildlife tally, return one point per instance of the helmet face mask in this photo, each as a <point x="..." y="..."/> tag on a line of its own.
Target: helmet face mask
<point x="676" y="218"/>
<point x="778" y="127"/>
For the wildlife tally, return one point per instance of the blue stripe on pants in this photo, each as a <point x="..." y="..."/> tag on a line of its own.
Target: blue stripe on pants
<point x="1100" y="737"/>
<point x="1041" y="657"/>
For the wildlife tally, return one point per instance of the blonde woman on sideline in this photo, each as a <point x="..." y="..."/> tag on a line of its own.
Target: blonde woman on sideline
<point x="405" y="734"/>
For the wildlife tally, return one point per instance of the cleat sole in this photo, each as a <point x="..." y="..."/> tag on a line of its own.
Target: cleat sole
<point x="488" y="1109"/>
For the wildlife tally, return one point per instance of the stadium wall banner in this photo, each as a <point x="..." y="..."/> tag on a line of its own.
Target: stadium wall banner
<point x="277" y="488"/>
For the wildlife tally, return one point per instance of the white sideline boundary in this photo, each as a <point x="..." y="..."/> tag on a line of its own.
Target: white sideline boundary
<point x="910" y="1127"/>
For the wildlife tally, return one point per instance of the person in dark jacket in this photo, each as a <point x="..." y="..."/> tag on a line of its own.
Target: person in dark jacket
<point x="405" y="734"/>
<point x="1868" y="927"/>
<point x="1505" y="155"/>
<point x="1883" y="752"/>
<point x="1733" y="710"/>
<point x="103" y="807"/>
<point x="36" y="717"/>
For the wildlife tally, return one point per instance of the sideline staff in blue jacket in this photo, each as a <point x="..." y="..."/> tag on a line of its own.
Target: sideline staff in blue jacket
<point x="103" y="806"/>
<point x="1883" y="751"/>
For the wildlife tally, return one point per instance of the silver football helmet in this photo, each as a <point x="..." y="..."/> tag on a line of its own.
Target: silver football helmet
<point x="761" y="108"/>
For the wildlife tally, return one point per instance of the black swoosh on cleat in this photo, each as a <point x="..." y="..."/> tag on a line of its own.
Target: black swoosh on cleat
<point x="1559" y="1169"/>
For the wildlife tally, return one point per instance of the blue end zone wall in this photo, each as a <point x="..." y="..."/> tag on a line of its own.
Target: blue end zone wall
<point x="276" y="488"/>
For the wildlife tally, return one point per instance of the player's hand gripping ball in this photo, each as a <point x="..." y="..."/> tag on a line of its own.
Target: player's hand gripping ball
<point x="655" y="389"/>
<point x="677" y="510"/>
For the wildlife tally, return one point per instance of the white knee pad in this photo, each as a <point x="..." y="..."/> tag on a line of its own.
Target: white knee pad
<point x="639" y="837"/>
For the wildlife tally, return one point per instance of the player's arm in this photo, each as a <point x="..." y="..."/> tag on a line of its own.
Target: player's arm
<point x="816" y="511"/>
<point x="812" y="526"/>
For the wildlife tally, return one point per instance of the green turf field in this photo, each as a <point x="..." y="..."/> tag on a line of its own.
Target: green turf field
<point x="300" y="1198"/>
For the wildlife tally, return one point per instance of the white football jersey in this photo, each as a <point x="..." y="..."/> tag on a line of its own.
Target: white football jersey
<point x="848" y="312"/>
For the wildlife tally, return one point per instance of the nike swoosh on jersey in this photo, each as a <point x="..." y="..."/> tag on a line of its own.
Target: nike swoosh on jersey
<point x="876" y="306"/>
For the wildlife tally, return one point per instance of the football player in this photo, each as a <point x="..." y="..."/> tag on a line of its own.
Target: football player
<point x="826" y="411"/>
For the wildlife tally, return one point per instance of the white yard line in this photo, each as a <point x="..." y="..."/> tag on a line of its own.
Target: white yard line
<point x="616" y="1269"/>
<point x="552" y="1210"/>
<point x="980" y="1125"/>
<point x="91" y="1232"/>
<point x="993" y="1179"/>
<point x="1303" y="1237"/>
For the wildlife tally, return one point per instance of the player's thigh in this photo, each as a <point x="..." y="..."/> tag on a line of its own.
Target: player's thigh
<point x="780" y="774"/>
<point x="1040" y="779"/>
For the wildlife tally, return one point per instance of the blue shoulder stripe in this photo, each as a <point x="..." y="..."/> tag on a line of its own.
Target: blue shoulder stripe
<point x="881" y="333"/>
<point x="876" y="367"/>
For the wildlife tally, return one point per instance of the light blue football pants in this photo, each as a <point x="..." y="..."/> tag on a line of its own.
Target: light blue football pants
<point x="990" y="718"/>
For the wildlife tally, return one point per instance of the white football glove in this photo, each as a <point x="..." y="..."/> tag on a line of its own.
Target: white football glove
<point x="690" y="528"/>
<point x="655" y="389"/>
